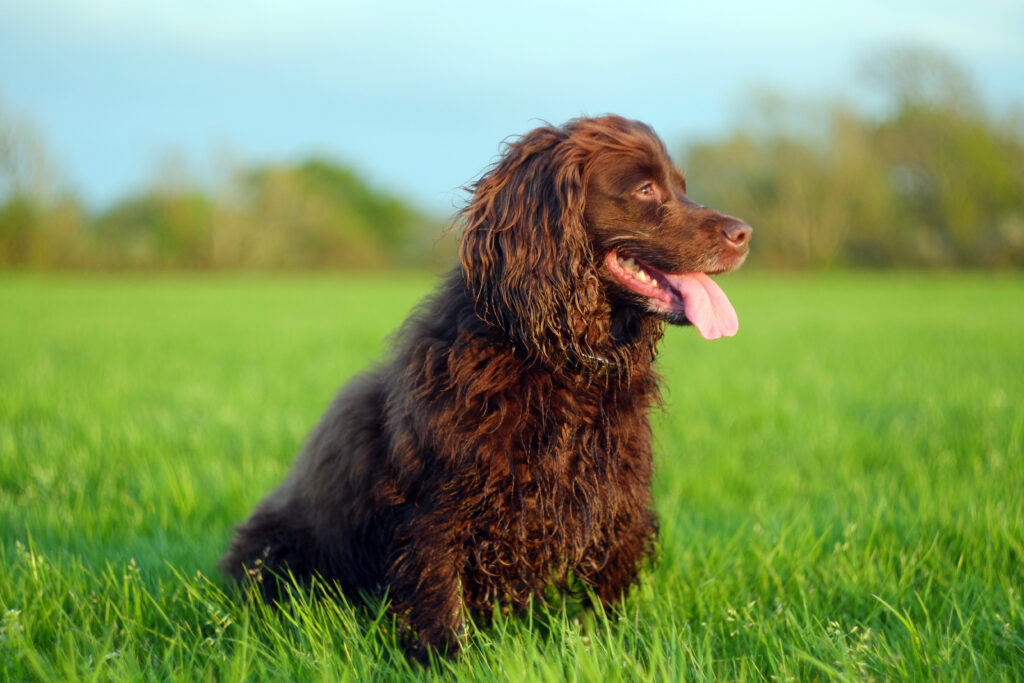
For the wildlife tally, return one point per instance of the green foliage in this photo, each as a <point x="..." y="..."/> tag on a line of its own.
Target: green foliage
<point x="39" y="226"/>
<point x="838" y="486"/>
<point x="41" y="234"/>
<point x="156" y="229"/>
<point x="18" y="220"/>
<point x="316" y="214"/>
<point x="966" y="195"/>
<point x="322" y="214"/>
<point x="930" y="181"/>
<point x="924" y="175"/>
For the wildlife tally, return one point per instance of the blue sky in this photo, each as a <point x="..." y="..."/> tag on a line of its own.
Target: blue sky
<point x="418" y="95"/>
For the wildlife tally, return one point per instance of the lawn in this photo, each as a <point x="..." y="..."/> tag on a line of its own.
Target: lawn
<point x="841" y="486"/>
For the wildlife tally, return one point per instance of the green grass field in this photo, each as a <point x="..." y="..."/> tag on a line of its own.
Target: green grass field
<point x="841" y="486"/>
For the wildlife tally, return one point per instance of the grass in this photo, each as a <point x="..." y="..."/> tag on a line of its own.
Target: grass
<point x="840" y="486"/>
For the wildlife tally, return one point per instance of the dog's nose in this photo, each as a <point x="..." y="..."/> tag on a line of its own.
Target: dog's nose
<point x="737" y="234"/>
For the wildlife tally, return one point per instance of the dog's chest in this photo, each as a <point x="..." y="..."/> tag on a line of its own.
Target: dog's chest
<point x="551" y="513"/>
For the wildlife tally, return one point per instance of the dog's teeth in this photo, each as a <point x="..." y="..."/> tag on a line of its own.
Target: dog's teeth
<point x="628" y="262"/>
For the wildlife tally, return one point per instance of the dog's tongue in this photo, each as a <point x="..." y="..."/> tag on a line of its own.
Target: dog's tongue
<point x="705" y="305"/>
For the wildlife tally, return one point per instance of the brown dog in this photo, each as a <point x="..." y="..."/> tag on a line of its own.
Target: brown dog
<point x="505" y="444"/>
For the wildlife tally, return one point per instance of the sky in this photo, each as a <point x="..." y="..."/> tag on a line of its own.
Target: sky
<point x="419" y="95"/>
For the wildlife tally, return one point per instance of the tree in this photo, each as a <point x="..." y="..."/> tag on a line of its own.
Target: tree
<point x="319" y="213"/>
<point x="930" y="179"/>
<point x="40" y="225"/>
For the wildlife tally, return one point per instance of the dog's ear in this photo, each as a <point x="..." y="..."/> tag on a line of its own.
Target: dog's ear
<point x="527" y="260"/>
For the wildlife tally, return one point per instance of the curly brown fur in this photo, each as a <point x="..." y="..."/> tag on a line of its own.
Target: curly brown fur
<point x="505" y="446"/>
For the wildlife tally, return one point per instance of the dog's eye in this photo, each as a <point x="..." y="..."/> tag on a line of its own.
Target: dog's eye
<point x="648" y="191"/>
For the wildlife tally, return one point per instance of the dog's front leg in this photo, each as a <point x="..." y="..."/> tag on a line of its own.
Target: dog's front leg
<point x="613" y="579"/>
<point x="424" y="584"/>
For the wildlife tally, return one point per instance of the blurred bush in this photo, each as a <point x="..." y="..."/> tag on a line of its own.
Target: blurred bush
<point x="316" y="214"/>
<point x="313" y="214"/>
<point x="927" y="179"/>
<point x="916" y="173"/>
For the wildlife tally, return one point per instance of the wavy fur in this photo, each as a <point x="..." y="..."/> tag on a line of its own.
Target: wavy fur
<point x="504" y="447"/>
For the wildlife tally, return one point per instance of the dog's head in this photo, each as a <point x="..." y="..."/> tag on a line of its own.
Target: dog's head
<point x="580" y="235"/>
<point x="654" y="242"/>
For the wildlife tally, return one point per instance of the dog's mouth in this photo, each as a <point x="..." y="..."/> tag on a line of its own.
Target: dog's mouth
<point x="679" y="297"/>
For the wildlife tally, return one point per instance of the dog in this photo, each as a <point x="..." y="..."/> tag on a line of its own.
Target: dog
<point x="504" y="446"/>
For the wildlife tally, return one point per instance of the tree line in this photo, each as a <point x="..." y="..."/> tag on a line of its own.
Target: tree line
<point x="924" y="175"/>
<point x="313" y="214"/>
<point x="929" y="178"/>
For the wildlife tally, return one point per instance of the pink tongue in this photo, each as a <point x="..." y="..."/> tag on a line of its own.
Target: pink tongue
<point x="705" y="305"/>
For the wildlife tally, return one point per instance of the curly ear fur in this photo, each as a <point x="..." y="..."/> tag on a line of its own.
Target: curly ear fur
<point x="525" y="252"/>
